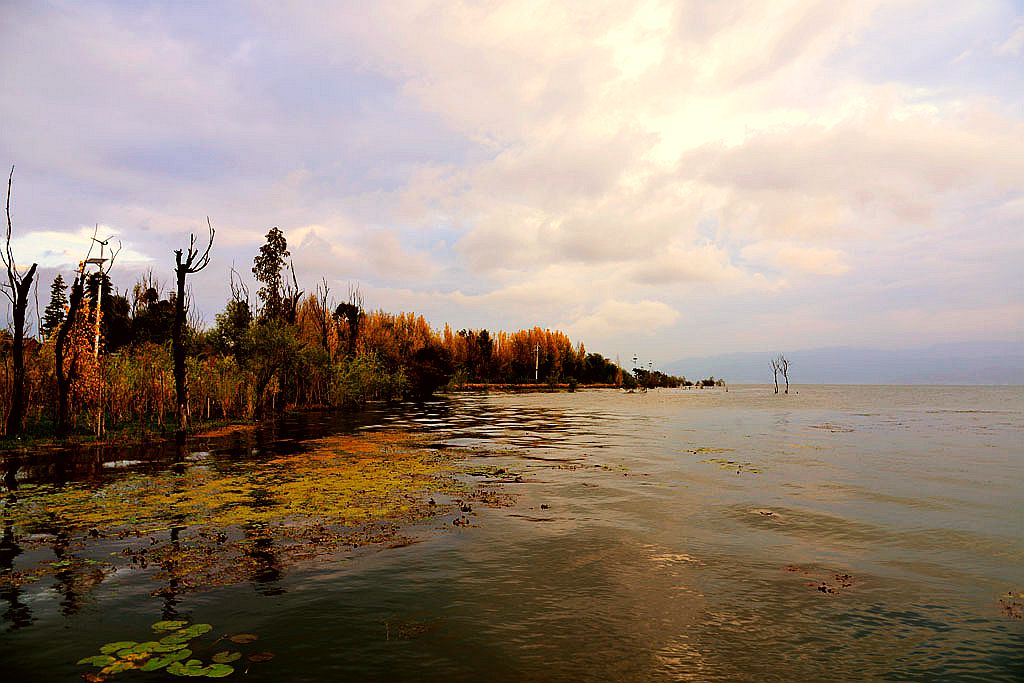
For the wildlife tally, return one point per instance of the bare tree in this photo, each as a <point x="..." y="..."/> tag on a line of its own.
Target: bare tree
<point x="16" y="289"/>
<point x="784" y="366"/>
<point x="323" y="293"/>
<point x="776" y="367"/>
<point x="186" y="262"/>
<point x="290" y="295"/>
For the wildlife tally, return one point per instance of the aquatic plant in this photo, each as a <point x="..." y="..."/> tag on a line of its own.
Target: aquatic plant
<point x="173" y="653"/>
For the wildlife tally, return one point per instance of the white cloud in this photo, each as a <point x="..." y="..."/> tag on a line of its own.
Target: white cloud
<point x="1013" y="45"/>
<point x="545" y="161"/>
<point x="623" y="319"/>
<point x="784" y="256"/>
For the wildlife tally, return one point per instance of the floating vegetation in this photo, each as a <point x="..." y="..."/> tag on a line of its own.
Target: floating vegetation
<point x="829" y="583"/>
<point x="834" y="428"/>
<point x="733" y="465"/>
<point x="197" y="526"/>
<point x="1012" y="605"/>
<point x="707" y="449"/>
<point x="172" y="653"/>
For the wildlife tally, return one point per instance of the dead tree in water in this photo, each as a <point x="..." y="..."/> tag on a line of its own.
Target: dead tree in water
<point x="16" y="289"/>
<point x="776" y="367"/>
<point x="784" y="366"/>
<point x="186" y="262"/>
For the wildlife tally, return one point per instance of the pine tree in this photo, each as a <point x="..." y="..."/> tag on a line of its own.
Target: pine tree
<point x="57" y="308"/>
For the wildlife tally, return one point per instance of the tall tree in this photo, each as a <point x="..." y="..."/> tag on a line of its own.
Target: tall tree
<point x="784" y="366"/>
<point x="55" y="311"/>
<point x="67" y="372"/>
<point x="267" y="267"/>
<point x="186" y="262"/>
<point x="16" y="289"/>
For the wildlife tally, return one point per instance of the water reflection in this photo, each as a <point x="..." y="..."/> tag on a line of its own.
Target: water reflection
<point x="630" y="554"/>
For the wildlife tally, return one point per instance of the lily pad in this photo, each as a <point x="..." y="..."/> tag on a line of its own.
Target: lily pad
<point x="219" y="670"/>
<point x="169" y="625"/>
<point x="110" y="648"/>
<point x="175" y="639"/>
<point x="243" y="638"/>
<point x="145" y="648"/>
<point x="165" y="660"/>
<point x="226" y="657"/>
<point x="261" y="656"/>
<point x="97" y="660"/>
<point x="119" y="666"/>
<point x="195" y="630"/>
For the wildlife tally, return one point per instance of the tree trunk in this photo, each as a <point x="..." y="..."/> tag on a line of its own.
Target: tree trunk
<point x="66" y="376"/>
<point x="16" y="418"/>
<point x="178" y="351"/>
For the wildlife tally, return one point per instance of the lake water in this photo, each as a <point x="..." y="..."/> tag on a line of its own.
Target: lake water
<point x="840" y="533"/>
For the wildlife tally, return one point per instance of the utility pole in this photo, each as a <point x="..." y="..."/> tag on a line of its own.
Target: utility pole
<point x="98" y="262"/>
<point x="536" y="363"/>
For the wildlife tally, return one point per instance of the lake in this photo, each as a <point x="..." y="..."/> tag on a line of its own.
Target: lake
<point x="837" y="533"/>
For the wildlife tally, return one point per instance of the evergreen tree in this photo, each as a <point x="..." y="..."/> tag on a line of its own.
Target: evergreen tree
<point x="55" y="311"/>
<point x="267" y="267"/>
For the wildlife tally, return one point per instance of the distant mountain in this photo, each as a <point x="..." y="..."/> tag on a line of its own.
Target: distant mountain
<point x="955" y="363"/>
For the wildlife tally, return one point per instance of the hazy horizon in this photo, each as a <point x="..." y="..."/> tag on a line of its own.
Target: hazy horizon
<point x="666" y="179"/>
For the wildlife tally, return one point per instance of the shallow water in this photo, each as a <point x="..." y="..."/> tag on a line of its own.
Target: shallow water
<point x="838" y="533"/>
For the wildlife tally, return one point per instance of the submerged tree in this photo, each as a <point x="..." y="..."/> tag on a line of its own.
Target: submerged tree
<point x="16" y="289"/>
<point x="186" y="263"/>
<point x="784" y="367"/>
<point x="776" y="367"/>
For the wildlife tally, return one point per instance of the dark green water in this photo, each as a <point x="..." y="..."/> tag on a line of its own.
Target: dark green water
<point x="650" y="561"/>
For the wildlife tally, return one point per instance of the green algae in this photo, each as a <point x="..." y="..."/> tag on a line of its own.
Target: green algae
<point x="205" y="524"/>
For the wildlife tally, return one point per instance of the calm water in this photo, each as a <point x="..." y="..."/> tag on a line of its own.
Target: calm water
<point x="674" y="535"/>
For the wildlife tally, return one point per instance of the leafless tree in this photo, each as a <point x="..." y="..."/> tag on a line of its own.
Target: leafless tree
<point x="323" y="294"/>
<point x="239" y="290"/>
<point x="291" y="295"/>
<point x="16" y="289"/>
<point x="186" y="262"/>
<point x="784" y="366"/>
<point x="776" y="368"/>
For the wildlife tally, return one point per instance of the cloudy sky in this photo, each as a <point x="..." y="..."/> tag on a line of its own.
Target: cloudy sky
<point x="665" y="179"/>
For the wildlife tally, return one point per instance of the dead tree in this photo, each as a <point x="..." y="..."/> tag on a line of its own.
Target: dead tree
<point x="776" y="367"/>
<point x="16" y="289"/>
<point x="784" y="366"/>
<point x="323" y="293"/>
<point x="186" y="262"/>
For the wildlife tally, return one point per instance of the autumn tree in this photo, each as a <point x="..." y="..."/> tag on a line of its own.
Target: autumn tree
<point x="16" y="289"/>
<point x="65" y="360"/>
<point x="186" y="262"/>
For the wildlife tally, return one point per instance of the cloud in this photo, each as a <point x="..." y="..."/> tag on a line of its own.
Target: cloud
<point x="541" y="161"/>
<point x="1013" y="44"/>
<point x="791" y="257"/>
<point x="614" y="318"/>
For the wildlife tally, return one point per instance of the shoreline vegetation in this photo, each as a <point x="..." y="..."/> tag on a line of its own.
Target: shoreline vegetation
<point x="130" y="366"/>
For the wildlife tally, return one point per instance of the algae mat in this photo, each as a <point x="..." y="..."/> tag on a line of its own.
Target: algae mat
<point x="209" y="522"/>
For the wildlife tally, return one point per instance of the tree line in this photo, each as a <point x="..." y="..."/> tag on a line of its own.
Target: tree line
<point x="129" y="359"/>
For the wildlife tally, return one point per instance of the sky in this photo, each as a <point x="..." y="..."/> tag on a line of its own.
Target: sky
<point x="660" y="179"/>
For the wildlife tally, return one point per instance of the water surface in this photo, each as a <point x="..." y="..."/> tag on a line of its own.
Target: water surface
<point x="837" y="533"/>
